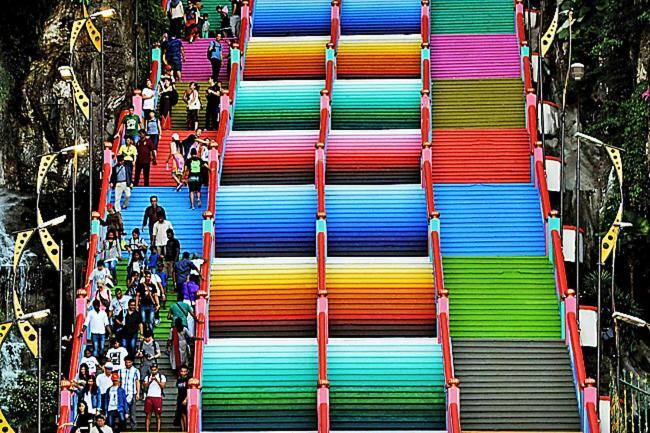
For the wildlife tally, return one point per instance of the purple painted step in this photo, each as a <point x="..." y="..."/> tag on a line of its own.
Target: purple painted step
<point x="474" y="56"/>
<point x="197" y="66"/>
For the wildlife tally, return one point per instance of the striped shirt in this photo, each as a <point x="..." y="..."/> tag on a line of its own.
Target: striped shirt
<point x="129" y="376"/>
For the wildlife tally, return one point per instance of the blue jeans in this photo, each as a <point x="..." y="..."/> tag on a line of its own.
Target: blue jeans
<point x="115" y="419"/>
<point x="111" y="265"/>
<point x="147" y="312"/>
<point x="130" y="343"/>
<point x="98" y="344"/>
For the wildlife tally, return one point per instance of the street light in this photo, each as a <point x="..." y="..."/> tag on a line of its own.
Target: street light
<point x="577" y="71"/>
<point x="37" y="317"/>
<point x="105" y="13"/>
<point x="630" y="320"/>
<point x="621" y="226"/>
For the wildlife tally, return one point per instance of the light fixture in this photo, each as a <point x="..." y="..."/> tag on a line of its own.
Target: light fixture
<point x="36" y="315"/>
<point x="105" y="13"/>
<point x="624" y="225"/>
<point x="53" y="222"/>
<point x="586" y="137"/>
<point x="630" y="320"/>
<point x="577" y="71"/>
<point x="66" y="73"/>
<point x="81" y="147"/>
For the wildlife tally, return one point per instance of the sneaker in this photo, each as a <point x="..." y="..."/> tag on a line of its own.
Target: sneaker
<point x="156" y="322"/>
<point x="199" y="205"/>
<point x="178" y="188"/>
<point x="192" y="207"/>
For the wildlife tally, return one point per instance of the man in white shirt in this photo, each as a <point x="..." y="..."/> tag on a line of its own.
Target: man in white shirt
<point x="154" y="383"/>
<point x="159" y="233"/>
<point x="101" y="274"/>
<point x="100" y="425"/>
<point x="148" y="99"/>
<point x="104" y="380"/>
<point x="119" y="303"/>
<point x="90" y="361"/>
<point x="130" y="376"/>
<point x="117" y="355"/>
<point x="97" y="320"/>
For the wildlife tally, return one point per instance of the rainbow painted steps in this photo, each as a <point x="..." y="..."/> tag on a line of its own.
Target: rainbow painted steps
<point x="369" y="296"/>
<point x="472" y="16"/>
<point x="490" y="220"/>
<point x="376" y="104"/>
<point x="269" y="157"/>
<point x="480" y="156"/>
<point x="386" y="56"/>
<point x="475" y="56"/>
<point x="290" y="57"/>
<point x="273" y="220"/>
<point x="373" y="157"/>
<point x="286" y="157"/>
<point x="292" y="18"/>
<point x="386" y="384"/>
<point x="360" y="17"/>
<point x="488" y="103"/>
<point x="502" y="297"/>
<point x="278" y="105"/>
<point x="269" y="384"/>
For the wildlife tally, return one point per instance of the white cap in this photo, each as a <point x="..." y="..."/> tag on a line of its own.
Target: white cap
<point x="108" y="365"/>
<point x="175" y="137"/>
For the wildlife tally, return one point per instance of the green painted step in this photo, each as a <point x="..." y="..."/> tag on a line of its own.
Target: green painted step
<point x="179" y="111"/>
<point x="210" y="8"/>
<point x="502" y="297"/>
<point x="472" y="16"/>
<point x="263" y="105"/>
<point x="486" y="103"/>
<point x="376" y="104"/>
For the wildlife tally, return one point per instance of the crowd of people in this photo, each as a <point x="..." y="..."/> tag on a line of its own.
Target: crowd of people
<point x="121" y="364"/>
<point x="113" y="378"/>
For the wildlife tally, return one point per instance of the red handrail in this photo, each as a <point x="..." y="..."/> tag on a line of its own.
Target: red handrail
<point x="540" y="174"/>
<point x="455" y="418"/>
<point x="425" y="19"/>
<point x="437" y="263"/>
<point x="527" y="74"/>
<point x="320" y="178"/>
<point x="425" y="116"/>
<point x="574" y="335"/>
<point x="592" y="418"/>
<point x="426" y="75"/>
<point x="335" y="23"/>
<point x="558" y="257"/>
<point x="446" y="346"/>
<point x="324" y="116"/>
<point x="519" y="20"/>
<point x="329" y="76"/>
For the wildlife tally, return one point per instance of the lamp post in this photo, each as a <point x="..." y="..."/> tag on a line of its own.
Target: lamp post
<point x="616" y="315"/>
<point x="37" y="317"/>
<point x="563" y="114"/>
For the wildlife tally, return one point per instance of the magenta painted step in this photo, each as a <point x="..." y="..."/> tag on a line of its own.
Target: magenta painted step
<point x="474" y="56"/>
<point x="197" y="66"/>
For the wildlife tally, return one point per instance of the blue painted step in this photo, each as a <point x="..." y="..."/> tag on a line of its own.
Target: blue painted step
<point x="187" y="223"/>
<point x="363" y="17"/>
<point x="291" y="17"/>
<point x="490" y="220"/>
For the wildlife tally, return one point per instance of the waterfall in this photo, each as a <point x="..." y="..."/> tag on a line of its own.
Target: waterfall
<point x="14" y="356"/>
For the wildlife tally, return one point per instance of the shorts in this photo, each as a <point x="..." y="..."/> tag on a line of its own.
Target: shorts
<point x="194" y="183"/>
<point x="175" y="63"/>
<point x="153" y="404"/>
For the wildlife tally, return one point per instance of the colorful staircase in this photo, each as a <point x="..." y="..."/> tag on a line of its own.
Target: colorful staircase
<point x="514" y="368"/>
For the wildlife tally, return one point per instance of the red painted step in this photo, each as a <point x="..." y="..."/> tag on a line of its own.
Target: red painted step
<point x="159" y="175"/>
<point x="481" y="156"/>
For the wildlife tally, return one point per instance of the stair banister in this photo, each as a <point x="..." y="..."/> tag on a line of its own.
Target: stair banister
<point x="425" y="62"/>
<point x="519" y="21"/>
<point x="425" y="21"/>
<point x="335" y="30"/>
<point x="330" y="66"/>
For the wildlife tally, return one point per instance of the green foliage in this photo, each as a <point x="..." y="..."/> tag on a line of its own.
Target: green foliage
<point x="20" y="402"/>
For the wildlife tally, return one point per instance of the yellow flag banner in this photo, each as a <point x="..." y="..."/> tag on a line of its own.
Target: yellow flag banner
<point x="22" y="239"/>
<point x="548" y="37"/>
<point x="95" y="36"/>
<point x="80" y="96"/>
<point x="44" y="166"/>
<point x="49" y="245"/>
<point x="4" y="331"/>
<point x="77" y="26"/>
<point x="26" y="329"/>
<point x="608" y="243"/>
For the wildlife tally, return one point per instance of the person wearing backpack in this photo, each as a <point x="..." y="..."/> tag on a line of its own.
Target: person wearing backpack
<point x="214" y="56"/>
<point x="193" y="168"/>
<point x="148" y="352"/>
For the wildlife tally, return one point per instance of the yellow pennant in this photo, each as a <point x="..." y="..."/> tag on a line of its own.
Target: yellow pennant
<point x="80" y="96"/>
<point x="4" y="331"/>
<point x="26" y="329"/>
<point x="95" y="36"/>
<point x="22" y="239"/>
<point x="608" y="243"/>
<point x="44" y="166"/>
<point x="49" y="245"/>
<point x="548" y="37"/>
<point x="77" y="26"/>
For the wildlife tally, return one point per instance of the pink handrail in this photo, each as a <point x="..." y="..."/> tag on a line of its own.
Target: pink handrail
<point x="540" y="175"/>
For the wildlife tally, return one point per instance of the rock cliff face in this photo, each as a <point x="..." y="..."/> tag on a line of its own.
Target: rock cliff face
<point x="43" y="117"/>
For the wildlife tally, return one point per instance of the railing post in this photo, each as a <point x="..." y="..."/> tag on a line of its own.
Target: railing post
<point x="330" y="67"/>
<point x="453" y="403"/>
<point x="425" y="64"/>
<point x="425" y="21"/>
<point x="213" y="184"/>
<point x="590" y="400"/>
<point x="324" y="116"/>
<point x="335" y="23"/>
<point x="425" y="115"/>
<point x="194" y="405"/>
<point x="531" y="115"/>
<point x="553" y="225"/>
